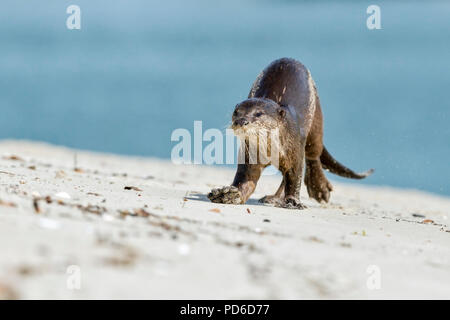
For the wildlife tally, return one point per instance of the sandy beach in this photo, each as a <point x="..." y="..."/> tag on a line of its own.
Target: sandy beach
<point x="96" y="226"/>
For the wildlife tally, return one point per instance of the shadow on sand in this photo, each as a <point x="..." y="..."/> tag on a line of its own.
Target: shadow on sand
<point x="202" y="197"/>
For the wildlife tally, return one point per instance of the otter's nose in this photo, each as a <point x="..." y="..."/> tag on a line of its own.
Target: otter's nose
<point x="240" y="122"/>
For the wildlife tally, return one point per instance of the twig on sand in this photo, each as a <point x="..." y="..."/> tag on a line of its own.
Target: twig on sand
<point x="8" y="173"/>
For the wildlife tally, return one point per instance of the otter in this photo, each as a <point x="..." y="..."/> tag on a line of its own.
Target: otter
<point x="283" y="98"/>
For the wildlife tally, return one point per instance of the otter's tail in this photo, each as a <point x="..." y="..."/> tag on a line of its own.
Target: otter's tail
<point x="329" y="163"/>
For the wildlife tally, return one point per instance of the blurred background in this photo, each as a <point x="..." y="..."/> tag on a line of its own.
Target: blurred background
<point x="138" y="69"/>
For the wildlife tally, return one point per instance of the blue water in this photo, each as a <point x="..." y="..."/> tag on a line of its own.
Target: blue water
<point x="138" y="69"/>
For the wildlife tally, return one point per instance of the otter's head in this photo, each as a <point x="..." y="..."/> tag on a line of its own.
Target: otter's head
<point x="256" y="114"/>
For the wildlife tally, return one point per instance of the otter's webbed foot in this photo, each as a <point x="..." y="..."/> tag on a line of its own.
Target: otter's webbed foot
<point x="227" y="195"/>
<point x="317" y="184"/>
<point x="292" y="203"/>
<point x="272" y="200"/>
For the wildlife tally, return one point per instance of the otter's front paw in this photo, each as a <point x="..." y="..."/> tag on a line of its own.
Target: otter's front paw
<point x="228" y="195"/>
<point x="272" y="200"/>
<point x="293" y="203"/>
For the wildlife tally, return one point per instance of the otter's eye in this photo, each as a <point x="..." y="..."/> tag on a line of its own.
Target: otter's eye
<point x="235" y="113"/>
<point x="258" y="114"/>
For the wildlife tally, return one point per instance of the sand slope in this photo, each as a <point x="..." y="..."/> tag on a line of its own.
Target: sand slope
<point x="164" y="239"/>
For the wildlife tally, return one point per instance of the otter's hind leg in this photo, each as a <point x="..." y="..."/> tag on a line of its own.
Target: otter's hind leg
<point x="316" y="183"/>
<point x="275" y="199"/>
